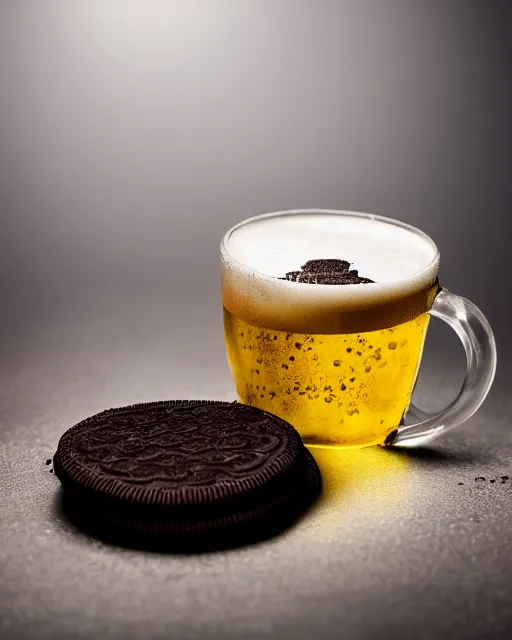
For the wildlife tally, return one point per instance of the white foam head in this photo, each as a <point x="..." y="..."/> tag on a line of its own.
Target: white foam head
<point x="399" y="258"/>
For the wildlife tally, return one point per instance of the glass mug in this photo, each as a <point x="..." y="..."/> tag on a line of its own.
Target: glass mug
<point x="339" y="362"/>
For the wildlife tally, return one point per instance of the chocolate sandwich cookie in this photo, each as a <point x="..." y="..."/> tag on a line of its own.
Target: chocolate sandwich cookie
<point x="186" y="472"/>
<point x="326" y="271"/>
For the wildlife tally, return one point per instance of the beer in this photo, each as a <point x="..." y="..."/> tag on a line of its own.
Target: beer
<point x="347" y="389"/>
<point x="338" y="362"/>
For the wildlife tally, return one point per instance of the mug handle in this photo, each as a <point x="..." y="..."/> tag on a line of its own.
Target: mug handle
<point x="477" y="338"/>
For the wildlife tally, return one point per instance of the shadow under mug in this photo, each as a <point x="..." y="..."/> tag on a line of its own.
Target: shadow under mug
<point x="339" y="362"/>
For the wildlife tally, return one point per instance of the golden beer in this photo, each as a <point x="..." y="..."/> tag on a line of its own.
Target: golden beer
<point x="339" y="362"/>
<point x="344" y="390"/>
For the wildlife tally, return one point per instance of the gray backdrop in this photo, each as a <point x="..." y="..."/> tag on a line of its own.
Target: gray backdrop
<point x="134" y="133"/>
<point x="132" y="136"/>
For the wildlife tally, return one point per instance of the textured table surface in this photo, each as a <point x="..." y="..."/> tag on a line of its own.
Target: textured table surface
<point x="400" y="544"/>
